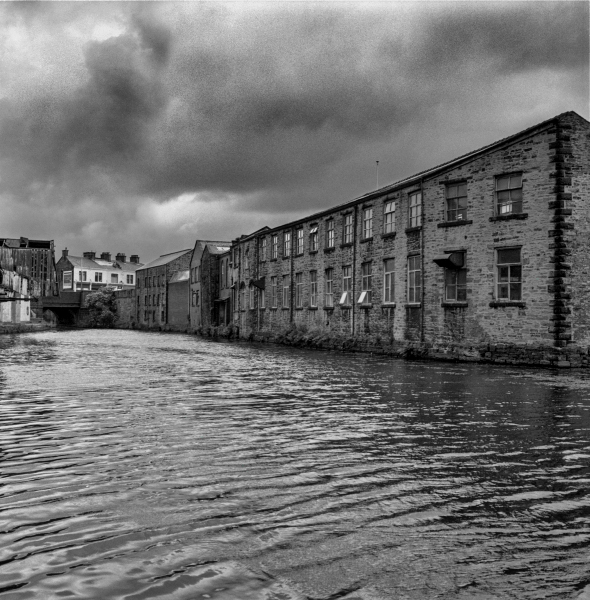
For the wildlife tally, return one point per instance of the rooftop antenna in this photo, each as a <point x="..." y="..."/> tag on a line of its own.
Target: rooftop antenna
<point x="377" y="162"/>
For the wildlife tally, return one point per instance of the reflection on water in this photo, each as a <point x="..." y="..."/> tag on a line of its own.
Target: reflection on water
<point x="142" y="465"/>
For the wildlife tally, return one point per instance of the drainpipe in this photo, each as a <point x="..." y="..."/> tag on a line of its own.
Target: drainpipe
<point x="422" y="307"/>
<point x="354" y="238"/>
<point x="291" y="290"/>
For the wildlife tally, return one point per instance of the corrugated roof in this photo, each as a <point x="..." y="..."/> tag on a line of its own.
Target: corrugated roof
<point x="180" y="276"/>
<point x="165" y="259"/>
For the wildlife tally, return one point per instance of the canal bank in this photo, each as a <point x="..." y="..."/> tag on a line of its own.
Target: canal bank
<point x="534" y="355"/>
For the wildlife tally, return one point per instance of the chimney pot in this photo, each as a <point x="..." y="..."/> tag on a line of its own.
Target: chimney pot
<point x="134" y="259"/>
<point x="106" y="256"/>
<point x="120" y="257"/>
<point x="89" y="255"/>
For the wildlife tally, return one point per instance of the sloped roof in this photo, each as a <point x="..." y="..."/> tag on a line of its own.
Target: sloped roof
<point x="215" y="249"/>
<point x="165" y="259"/>
<point x="102" y="265"/>
<point x="401" y="183"/>
<point x="180" y="276"/>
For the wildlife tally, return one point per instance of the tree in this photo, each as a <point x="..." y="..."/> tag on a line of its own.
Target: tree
<point x="102" y="307"/>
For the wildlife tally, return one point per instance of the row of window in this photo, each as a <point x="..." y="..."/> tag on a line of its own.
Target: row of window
<point x="151" y="281"/>
<point x="508" y="286"/>
<point x="508" y="201"/>
<point x="153" y="300"/>
<point x="147" y="314"/>
<point x="67" y="277"/>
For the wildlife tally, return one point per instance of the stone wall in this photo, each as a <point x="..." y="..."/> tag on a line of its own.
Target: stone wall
<point x="126" y="308"/>
<point x="553" y="161"/>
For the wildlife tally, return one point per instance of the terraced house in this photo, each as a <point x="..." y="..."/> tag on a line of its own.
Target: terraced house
<point x="487" y="253"/>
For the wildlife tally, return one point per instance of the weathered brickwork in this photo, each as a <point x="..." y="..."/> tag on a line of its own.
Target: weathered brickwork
<point x="152" y="289"/>
<point x="488" y="256"/>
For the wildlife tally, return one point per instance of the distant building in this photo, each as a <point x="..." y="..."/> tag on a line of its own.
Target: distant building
<point x="178" y="293"/>
<point x="195" y="295"/>
<point x="152" y="289"/>
<point x="27" y="275"/>
<point x="87" y="272"/>
<point x="216" y="282"/>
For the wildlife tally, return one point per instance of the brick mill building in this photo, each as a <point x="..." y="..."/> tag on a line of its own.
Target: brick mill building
<point x="485" y="256"/>
<point x="153" y="309"/>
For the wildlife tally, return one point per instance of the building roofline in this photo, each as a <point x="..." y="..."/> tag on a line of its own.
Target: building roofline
<point x="422" y="175"/>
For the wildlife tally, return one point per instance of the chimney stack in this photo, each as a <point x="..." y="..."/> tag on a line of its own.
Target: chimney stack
<point x="89" y="255"/>
<point x="120" y="257"/>
<point x="134" y="259"/>
<point x="64" y="253"/>
<point x="106" y="256"/>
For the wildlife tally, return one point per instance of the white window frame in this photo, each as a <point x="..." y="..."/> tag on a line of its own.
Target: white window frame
<point x="389" y="216"/>
<point x="453" y="199"/>
<point x="286" y="290"/>
<point x="286" y="243"/>
<point x="263" y="249"/>
<point x="313" y="288"/>
<point x="415" y="279"/>
<point x="415" y="209"/>
<point x="299" y="241"/>
<point x="345" y="298"/>
<point x="313" y="239"/>
<point x="347" y="229"/>
<point x="368" y="222"/>
<point x="329" y="288"/>
<point x="366" y="296"/>
<point x="273" y="291"/>
<point x="330" y="234"/>
<point x="298" y="290"/>
<point x="512" y="192"/>
<point x="513" y="280"/>
<point x="274" y="246"/>
<point x="261" y="298"/>
<point x="389" y="281"/>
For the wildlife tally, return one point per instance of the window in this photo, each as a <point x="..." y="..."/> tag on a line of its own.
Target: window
<point x="389" y="217"/>
<point x="67" y="279"/>
<point x="509" y="274"/>
<point x="457" y="202"/>
<point x="197" y="297"/>
<point x="83" y="275"/>
<point x="261" y="299"/>
<point x="346" y="285"/>
<point x="313" y="288"/>
<point x="98" y="277"/>
<point x="330" y="241"/>
<point x="509" y="194"/>
<point x="347" y="232"/>
<point x="329" y="293"/>
<point x="193" y="298"/>
<point x="456" y="283"/>
<point x="130" y="279"/>
<point x="366" y="283"/>
<point x="415" y="209"/>
<point x="299" y="241"/>
<point x="263" y="249"/>
<point x="158" y="299"/>
<point x="299" y="290"/>
<point x="114" y="278"/>
<point x="367" y="223"/>
<point x="414" y="279"/>
<point x="313" y="239"/>
<point x="285" y="291"/>
<point x="273" y="292"/>
<point x="287" y="243"/>
<point x="251" y="296"/>
<point x="389" y="281"/>
<point x="274" y="246"/>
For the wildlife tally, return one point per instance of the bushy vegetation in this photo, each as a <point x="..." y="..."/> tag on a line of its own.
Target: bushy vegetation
<point x="102" y="308"/>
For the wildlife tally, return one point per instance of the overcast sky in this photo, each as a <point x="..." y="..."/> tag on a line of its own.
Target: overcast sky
<point x="141" y="127"/>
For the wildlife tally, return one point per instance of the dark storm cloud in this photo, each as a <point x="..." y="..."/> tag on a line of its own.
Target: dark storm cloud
<point x="275" y="102"/>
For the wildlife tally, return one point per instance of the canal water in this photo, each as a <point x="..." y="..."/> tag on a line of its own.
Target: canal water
<point x="140" y="465"/>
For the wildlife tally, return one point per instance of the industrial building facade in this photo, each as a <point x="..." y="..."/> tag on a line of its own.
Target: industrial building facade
<point x="490" y="248"/>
